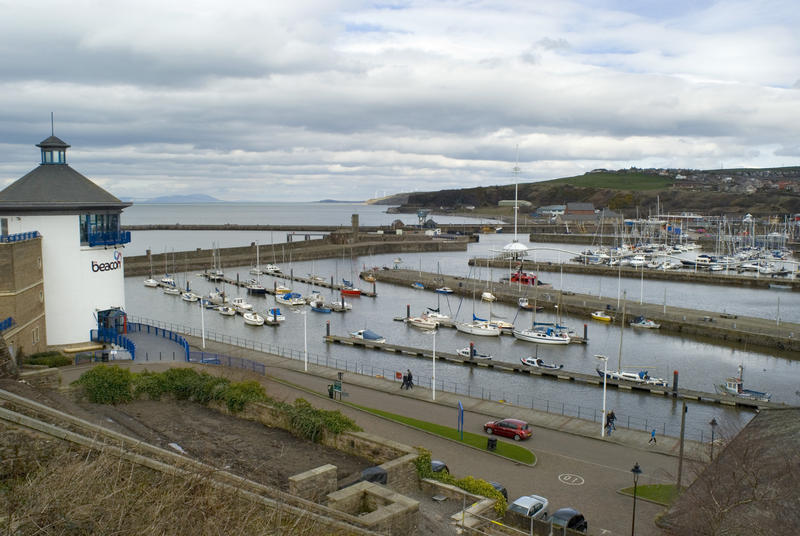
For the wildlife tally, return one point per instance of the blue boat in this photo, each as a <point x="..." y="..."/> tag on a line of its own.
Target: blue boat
<point x="367" y="335"/>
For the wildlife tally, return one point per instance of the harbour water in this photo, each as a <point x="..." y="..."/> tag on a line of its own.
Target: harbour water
<point x="701" y="363"/>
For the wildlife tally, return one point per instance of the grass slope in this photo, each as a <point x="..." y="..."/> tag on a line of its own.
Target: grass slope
<point x="509" y="450"/>
<point x="616" y="181"/>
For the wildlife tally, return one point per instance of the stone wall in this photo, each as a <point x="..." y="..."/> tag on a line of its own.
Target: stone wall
<point x="314" y="484"/>
<point x="378" y="508"/>
<point x="22" y="295"/>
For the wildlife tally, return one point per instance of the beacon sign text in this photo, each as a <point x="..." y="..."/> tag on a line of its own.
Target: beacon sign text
<point x="108" y="266"/>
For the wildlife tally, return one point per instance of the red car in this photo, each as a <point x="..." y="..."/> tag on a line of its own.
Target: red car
<point x="509" y="428"/>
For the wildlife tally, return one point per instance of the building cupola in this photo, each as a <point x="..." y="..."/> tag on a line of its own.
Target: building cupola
<point x="54" y="151"/>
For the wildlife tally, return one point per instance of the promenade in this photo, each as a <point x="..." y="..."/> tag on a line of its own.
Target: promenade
<point x="574" y="467"/>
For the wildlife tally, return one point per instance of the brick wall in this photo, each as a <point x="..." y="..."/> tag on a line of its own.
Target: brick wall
<point x="22" y="295"/>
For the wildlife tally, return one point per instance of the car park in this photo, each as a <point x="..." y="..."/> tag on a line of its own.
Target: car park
<point x="569" y="518"/>
<point x="534" y="506"/>
<point x="513" y="428"/>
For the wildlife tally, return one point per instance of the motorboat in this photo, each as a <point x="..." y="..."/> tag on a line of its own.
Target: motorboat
<point x="367" y="335"/>
<point x="602" y="316"/>
<point x="274" y="315"/>
<point x="341" y="306"/>
<point x="241" y="305"/>
<point x="543" y="335"/>
<point x="349" y="290"/>
<point x="368" y="277"/>
<point x="642" y="322"/>
<point x="150" y="282"/>
<point x="505" y="327"/>
<point x="216" y="297"/>
<point x="642" y="377"/>
<point x="253" y="319"/>
<point x="272" y="269"/>
<point x="444" y="290"/>
<point x="436" y="316"/>
<point x="215" y="275"/>
<point x="190" y="296"/>
<point x="528" y="306"/>
<point x="293" y="299"/>
<point x="525" y="278"/>
<point x="282" y="289"/>
<point x="254" y="287"/>
<point x="733" y="386"/>
<point x="538" y="362"/>
<point x="477" y="327"/>
<point x="470" y="353"/>
<point x="488" y="297"/>
<point x="416" y="285"/>
<point x="319" y="306"/>
<point x="172" y="291"/>
<point x="226" y="310"/>
<point x="422" y="322"/>
<point x="167" y="281"/>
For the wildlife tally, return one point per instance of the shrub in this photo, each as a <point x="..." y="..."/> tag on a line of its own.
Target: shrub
<point x="107" y="385"/>
<point x="150" y="384"/>
<point x="237" y="395"/>
<point x="188" y="384"/>
<point x="50" y="359"/>
<point x="310" y="423"/>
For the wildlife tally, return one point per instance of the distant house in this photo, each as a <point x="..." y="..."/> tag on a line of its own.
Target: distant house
<point x="398" y="224"/>
<point x="550" y="211"/>
<point x="575" y="209"/>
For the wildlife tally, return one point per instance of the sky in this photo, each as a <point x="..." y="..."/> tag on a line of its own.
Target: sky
<point x="350" y="99"/>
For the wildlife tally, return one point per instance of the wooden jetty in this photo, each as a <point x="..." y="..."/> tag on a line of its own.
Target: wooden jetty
<point x="752" y="331"/>
<point x="559" y="374"/>
<point x="314" y="282"/>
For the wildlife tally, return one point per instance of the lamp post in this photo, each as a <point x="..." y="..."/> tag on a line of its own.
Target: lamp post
<point x="202" y="323"/>
<point x="605" y="375"/>
<point x="636" y="472"/>
<point x="304" y="312"/>
<point x="433" y="375"/>
<point x="713" y="424"/>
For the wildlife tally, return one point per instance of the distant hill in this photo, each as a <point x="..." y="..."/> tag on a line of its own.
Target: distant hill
<point x="192" y="198"/>
<point x="338" y="201"/>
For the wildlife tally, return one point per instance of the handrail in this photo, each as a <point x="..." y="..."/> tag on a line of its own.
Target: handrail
<point x="20" y="237"/>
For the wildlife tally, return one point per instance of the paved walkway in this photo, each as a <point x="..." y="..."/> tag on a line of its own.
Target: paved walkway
<point x="564" y="445"/>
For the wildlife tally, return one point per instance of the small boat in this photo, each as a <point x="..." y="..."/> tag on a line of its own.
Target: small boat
<point x="167" y="281"/>
<point x="422" y="322"/>
<point x="525" y="278"/>
<point x="417" y="285"/>
<point x="634" y="377"/>
<point x="282" y="289"/>
<point x="350" y="291"/>
<point x="503" y="326"/>
<point x="444" y="290"/>
<point x="253" y="319"/>
<point x="602" y="316"/>
<point x="319" y="306"/>
<point x="525" y="304"/>
<point x="733" y="387"/>
<point x="274" y="314"/>
<point x="241" y="305"/>
<point x="215" y="275"/>
<point x="172" y="291"/>
<point x="293" y="299"/>
<point x="543" y="335"/>
<point x="341" y="306"/>
<point x="272" y="269"/>
<point x="367" y="335"/>
<point x="216" y="297"/>
<point x="488" y="297"/>
<point x="226" y="310"/>
<point x="254" y="287"/>
<point x="483" y="329"/>
<point x="369" y="278"/>
<point x="190" y="296"/>
<point x="642" y="322"/>
<point x="436" y="316"/>
<point x="150" y="282"/>
<point x="465" y="352"/>
<point x="538" y="362"/>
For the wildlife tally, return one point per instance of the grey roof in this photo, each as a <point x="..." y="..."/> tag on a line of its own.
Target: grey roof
<point x="54" y="142"/>
<point x="56" y="188"/>
<point x="580" y="206"/>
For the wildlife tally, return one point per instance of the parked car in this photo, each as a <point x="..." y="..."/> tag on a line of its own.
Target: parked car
<point x="570" y="518"/>
<point x="501" y="488"/>
<point x="534" y="506"/>
<point x="437" y="466"/>
<point x="509" y="428"/>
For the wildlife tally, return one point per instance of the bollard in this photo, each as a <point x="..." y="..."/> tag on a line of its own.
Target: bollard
<point x="585" y="333"/>
<point x="674" y="383"/>
<point x="327" y="328"/>
<point x="408" y="311"/>
<point x="471" y="349"/>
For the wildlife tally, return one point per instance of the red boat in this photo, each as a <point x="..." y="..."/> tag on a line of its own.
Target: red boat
<point x="351" y="292"/>
<point x="524" y="278"/>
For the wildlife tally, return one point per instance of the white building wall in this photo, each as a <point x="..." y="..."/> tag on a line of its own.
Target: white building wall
<point x="73" y="290"/>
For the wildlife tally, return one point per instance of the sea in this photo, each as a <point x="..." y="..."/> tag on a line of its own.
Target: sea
<point x="700" y="362"/>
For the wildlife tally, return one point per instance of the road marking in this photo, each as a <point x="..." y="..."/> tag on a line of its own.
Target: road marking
<point x="571" y="480"/>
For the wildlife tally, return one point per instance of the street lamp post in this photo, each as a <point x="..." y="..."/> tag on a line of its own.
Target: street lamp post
<point x="636" y="472"/>
<point x="305" y="341"/>
<point x="605" y="375"/>
<point x="433" y="375"/>
<point x="713" y="424"/>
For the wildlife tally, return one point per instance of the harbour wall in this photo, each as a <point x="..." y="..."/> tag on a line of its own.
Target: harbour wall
<point x="329" y="247"/>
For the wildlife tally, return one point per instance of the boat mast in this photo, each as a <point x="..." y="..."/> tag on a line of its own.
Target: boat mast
<point x="621" y="330"/>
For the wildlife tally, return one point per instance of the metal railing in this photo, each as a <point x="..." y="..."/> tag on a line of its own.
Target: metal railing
<point x="20" y="237"/>
<point x="110" y="336"/>
<point x="158" y="331"/>
<point x="632" y="422"/>
<point x="7" y="323"/>
<point x="109" y="238"/>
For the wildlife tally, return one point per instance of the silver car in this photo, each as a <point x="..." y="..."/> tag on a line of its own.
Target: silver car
<point x="534" y="506"/>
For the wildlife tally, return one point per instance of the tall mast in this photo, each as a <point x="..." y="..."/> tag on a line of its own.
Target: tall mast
<point x="516" y="186"/>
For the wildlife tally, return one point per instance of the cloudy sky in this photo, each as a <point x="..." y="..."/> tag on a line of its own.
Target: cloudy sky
<point x="305" y="100"/>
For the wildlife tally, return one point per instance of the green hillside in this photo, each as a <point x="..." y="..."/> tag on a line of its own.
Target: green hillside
<point x="617" y="181"/>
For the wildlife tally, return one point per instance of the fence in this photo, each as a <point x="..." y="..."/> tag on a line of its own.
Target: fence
<point x="19" y="237"/>
<point x="566" y="409"/>
<point x="7" y="323"/>
<point x="110" y="336"/>
<point x="102" y="356"/>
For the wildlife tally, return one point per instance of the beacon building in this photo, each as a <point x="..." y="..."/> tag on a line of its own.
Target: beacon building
<point x="61" y="256"/>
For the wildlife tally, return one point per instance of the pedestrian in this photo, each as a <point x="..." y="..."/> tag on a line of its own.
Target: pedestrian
<point x="612" y="418"/>
<point x="410" y="383"/>
<point x="652" y="437"/>
<point x="404" y="385"/>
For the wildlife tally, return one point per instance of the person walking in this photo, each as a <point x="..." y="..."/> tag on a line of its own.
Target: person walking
<point x="608" y="424"/>
<point x="652" y="437"/>
<point x="410" y="383"/>
<point x="612" y="418"/>
<point x="404" y="385"/>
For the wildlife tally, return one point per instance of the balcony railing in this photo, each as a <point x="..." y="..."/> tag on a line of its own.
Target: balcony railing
<point x="111" y="238"/>
<point x="7" y="323"/>
<point x="19" y="237"/>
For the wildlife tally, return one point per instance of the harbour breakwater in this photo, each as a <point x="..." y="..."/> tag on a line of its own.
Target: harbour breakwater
<point x="306" y="250"/>
<point x="748" y="331"/>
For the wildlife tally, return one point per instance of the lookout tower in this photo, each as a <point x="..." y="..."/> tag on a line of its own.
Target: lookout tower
<point x="78" y="260"/>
